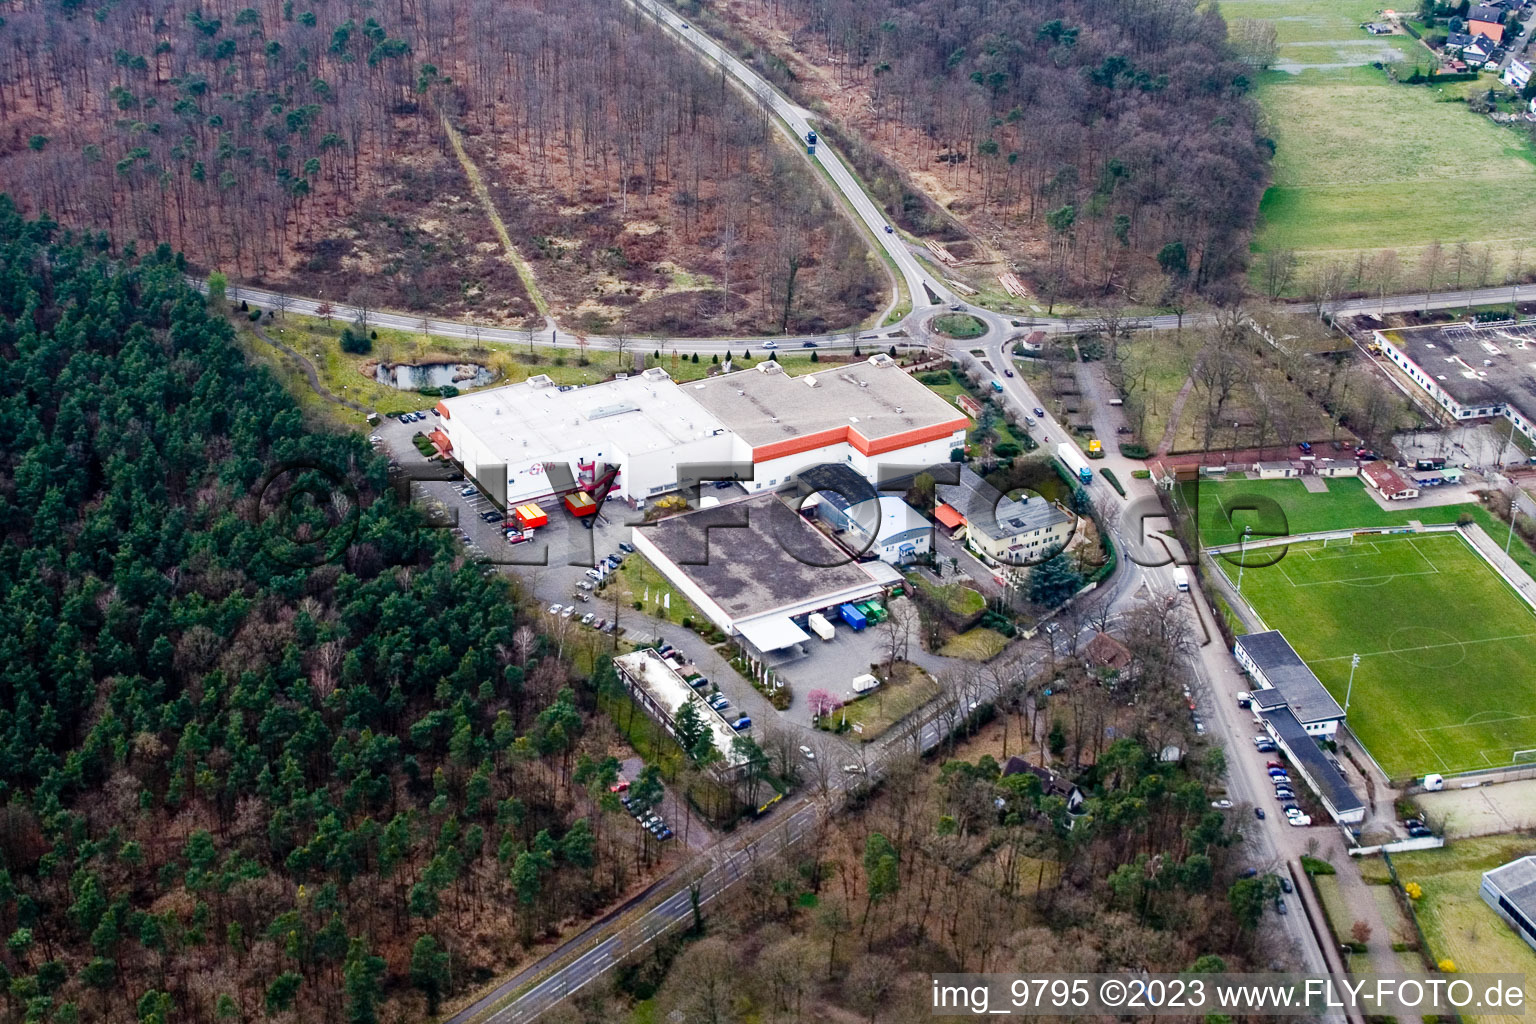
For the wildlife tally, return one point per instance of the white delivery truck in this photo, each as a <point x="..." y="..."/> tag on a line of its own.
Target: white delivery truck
<point x="820" y="626"/>
<point x="1180" y="578"/>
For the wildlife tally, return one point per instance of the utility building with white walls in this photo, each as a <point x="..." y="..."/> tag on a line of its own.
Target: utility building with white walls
<point x="643" y="436"/>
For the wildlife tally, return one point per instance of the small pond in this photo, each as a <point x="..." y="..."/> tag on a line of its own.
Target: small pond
<point x="408" y="377"/>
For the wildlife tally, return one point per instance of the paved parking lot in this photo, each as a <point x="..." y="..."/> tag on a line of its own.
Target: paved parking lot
<point x="551" y="566"/>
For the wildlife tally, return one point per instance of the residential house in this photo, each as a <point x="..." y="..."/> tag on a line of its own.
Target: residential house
<point x="1517" y="75"/>
<point x="1486" y="20"/>
<point x="1004" y="531"/>
<point x="1478" y="51"/>
<point x="1051" y="784"/>
<point x="1457" y="40"/>
<point x="1393" y="485"/>
<point x="1106" y="653"/>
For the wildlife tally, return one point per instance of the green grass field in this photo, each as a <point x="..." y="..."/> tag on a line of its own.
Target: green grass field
<point x="1363" y="165"/>
<point x="1457" y="924"/>
<point x="1344" y="506"/>
<point x="1446" y="647"/>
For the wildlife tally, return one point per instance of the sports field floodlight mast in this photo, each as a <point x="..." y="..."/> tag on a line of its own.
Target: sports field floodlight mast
<point x="1354" y="663"/>
<point x="1242" y="557"/>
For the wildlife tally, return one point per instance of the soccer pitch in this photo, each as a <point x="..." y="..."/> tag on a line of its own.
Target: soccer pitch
<point x="1447" y="676"/>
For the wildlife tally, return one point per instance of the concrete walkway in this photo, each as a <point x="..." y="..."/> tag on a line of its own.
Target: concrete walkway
<point x="1363" y="905"/>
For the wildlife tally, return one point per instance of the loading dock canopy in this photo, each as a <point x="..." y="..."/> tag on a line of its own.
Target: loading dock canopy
<point x="772" y="633"/>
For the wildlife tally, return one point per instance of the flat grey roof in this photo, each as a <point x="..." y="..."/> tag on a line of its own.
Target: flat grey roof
<point x="1475" y="364"/>
<point x="756" y="556"/>
<point x="877" y="398"/>
<point x="1516" y="882"/>
<point x="1286" y="672"/>
<point x="1331" y="786"/>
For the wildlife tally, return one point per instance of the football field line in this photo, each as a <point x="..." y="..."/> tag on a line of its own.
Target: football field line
<point x="1430" y="647"/>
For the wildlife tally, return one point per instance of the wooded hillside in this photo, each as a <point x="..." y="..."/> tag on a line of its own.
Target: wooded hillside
<point x="1095" y="143"/>
<point x="269" y="747"/>
<point x="303" y="144"/>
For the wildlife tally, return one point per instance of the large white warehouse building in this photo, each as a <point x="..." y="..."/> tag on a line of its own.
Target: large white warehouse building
<point x="530" y="440"/>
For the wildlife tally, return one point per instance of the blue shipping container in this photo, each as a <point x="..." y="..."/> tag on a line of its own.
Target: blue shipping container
<point x="853" y="617"/>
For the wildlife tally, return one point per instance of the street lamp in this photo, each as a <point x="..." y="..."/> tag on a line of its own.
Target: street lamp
<point x="1354" y="663"/>
<point x="1242" y="558"/>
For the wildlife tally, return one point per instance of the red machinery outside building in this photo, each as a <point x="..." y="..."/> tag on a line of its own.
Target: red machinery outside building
<point x="530" y="516"/>
<point x="580" y="504"/>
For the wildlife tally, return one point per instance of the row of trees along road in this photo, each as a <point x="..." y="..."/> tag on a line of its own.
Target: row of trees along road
<point x="237" y="783"/>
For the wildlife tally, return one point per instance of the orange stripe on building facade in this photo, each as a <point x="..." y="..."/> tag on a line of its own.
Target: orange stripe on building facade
<point x="850" y="435"/>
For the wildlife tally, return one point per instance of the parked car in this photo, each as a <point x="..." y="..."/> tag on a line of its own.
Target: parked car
<point x="593" y="575"/>
<point x="626" y="547"/>
<point x="1007" y="373"/>
<point x="742" y="723"/>
<point x="1301" y="820"/>
<point x="1306" y="447"/>
<point x="374" y="438"/>
<point x="855" y="769"/>
<point x="1222" y="805"/>
<point x="555" y="608"/>
<point x="1285" y="885"/>
<point x="1280" y="907"/>
<point x="807" y="752"/>
<point x="468" y="492"/>
<point x="664" y="834"/>
<point x="570" y="610"/>
<point x="513" y="537"/>
<point x="619" y="787"/>
<point x="583" y="584"/>
<point x="490" y="515"/>
<point x="1249" y="873"/>
<point x="600" y="625"/>
<point x="586" y="620"/>
<point x="1274" y="764"/>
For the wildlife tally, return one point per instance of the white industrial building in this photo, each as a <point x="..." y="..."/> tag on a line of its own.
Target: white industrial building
<point x="1511" y="892"/>
<point x="647" y="435"/>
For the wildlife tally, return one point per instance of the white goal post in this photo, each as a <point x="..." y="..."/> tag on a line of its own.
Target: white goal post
<point x="1524" y="756"/>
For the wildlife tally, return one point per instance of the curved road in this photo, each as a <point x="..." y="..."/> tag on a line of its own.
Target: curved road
<point x="668" y="903"/>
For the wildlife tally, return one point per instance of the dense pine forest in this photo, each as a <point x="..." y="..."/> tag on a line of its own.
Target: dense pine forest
<point x="270" y="749"/>
<point x="305" y="143"/>
<point x="1099" y="144"/>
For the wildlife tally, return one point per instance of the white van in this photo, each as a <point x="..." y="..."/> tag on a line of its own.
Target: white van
<point x="1434" y="782"/>
<point x="1180" y="578"/>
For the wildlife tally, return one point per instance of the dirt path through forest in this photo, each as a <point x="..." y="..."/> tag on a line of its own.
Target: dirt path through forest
<point x="477" y="183"/>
